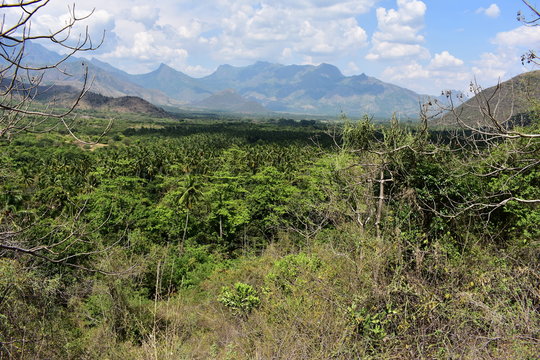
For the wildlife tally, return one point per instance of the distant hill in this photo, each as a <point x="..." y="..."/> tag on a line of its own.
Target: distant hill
<point x="229" y="100"/>
<point x="172" y="83"/>
<point x="312" y="89"/>
<point x="65" y="96"/>
<point x="297" y="89"/>
<point x="103" y="82"/>
<point x="510" y="101"/>
<point x="103" y="78"/>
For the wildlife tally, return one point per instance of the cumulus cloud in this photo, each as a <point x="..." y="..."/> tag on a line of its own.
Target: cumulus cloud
<point x="276" y="32"/>
<point x="398" y="32"/>
<point x="442" y="71"/>
<point x="504" y="62"/>
<point x="98" y="25"/>
<point x="403" y="24"/>
<point x="145" y="14"/>
<point x="492" y="11"/>
<point x="491" y="67"/>
<point x="445" y="60"/>
<point x="396" y="51"/>
<point x="427" y="79"/>
<point x="523" y="36"/>
<point x="148" y="46"/>
<point x="412" y="70"/>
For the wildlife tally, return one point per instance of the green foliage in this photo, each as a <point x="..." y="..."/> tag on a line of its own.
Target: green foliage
<point x="124" y="312"/>
<point x="285" y="273"/>
<point x="179" y="270"/>
<point x="359" y="136"/>
<point x="375" y="325"/>
<point x="241" y="299"/>
<point x="294" y="218"/>
<point x="31" y="321"/>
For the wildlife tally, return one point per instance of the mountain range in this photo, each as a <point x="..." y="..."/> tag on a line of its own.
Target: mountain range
<point x="259" y="88"/>
<point x="267" y="88"/>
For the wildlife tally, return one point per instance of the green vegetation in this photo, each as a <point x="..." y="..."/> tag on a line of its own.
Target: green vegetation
<point x="192" y="239"/>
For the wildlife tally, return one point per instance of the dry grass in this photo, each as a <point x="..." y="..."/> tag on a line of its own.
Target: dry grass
<point x="363" y="298"/>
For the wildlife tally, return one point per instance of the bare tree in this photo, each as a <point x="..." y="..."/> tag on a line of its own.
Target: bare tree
<point x="20" y="81"/>
<point x="382" y="154"/>
<point x="532" y="20"/>
<point x="498" y="138"/>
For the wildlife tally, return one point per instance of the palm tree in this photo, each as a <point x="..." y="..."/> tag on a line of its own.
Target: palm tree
<point x="190" y="194"/>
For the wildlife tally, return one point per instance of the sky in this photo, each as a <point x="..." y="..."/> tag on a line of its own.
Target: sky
<point x="426" y="46"/>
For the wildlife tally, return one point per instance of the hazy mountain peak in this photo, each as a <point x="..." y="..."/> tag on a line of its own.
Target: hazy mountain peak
<point x="264" y="65"/>
<point x="37" y="54"/>
<point x="329" y="71"/>
<point x="165" y="68"/>
<point x="224" y="67"/>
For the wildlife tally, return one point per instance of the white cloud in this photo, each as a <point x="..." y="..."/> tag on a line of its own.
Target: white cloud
<point x="148" y="46"/>
<point x="351" y="69"/>
<point x="274" y="32"/>
<point x="96" y="24"/>
<point x="492" y="11"/>
<point x="197" y="70"/>
<point x="443" y="71"/>
<point x="401" y="25"/>
<point x="491" y="67"/>
<point x="426" y="79"/>
<point x="398" y="32"/>
<point x="145" y="14"/>
<point x="523" y="36"/>
<point x="504" y="62"/>
<point x="396" y="51"/>
<point x="412" y="70"/>
<point x="445" y="60"/>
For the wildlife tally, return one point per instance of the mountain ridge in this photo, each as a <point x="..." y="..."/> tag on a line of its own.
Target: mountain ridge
<point x="66" y="95"/>
<point x="297" y="89"/>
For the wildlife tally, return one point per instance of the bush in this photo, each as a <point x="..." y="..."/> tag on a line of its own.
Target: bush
<point x="242" y="298"/>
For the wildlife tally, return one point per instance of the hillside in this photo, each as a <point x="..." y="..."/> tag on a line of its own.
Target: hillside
<point x="510" y="101"/>
<point x="230" y="100"/>
<point x="103" y="82"/>
<point x="64" y="96"/>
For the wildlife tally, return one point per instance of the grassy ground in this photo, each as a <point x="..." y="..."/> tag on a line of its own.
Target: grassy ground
<point x="347" y="295"/>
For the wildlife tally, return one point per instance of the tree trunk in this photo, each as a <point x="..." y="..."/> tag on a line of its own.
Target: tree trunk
<point x="380" y="204"/>
<point x="220" y="228"/>
<point x="185" y="231"/>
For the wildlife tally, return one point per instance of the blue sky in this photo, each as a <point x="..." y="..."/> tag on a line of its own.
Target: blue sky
<point x="426" y="46"/>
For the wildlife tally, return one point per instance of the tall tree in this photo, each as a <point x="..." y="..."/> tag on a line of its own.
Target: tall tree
<point x="20" y="82"/>
<point x="191" y="192"/>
